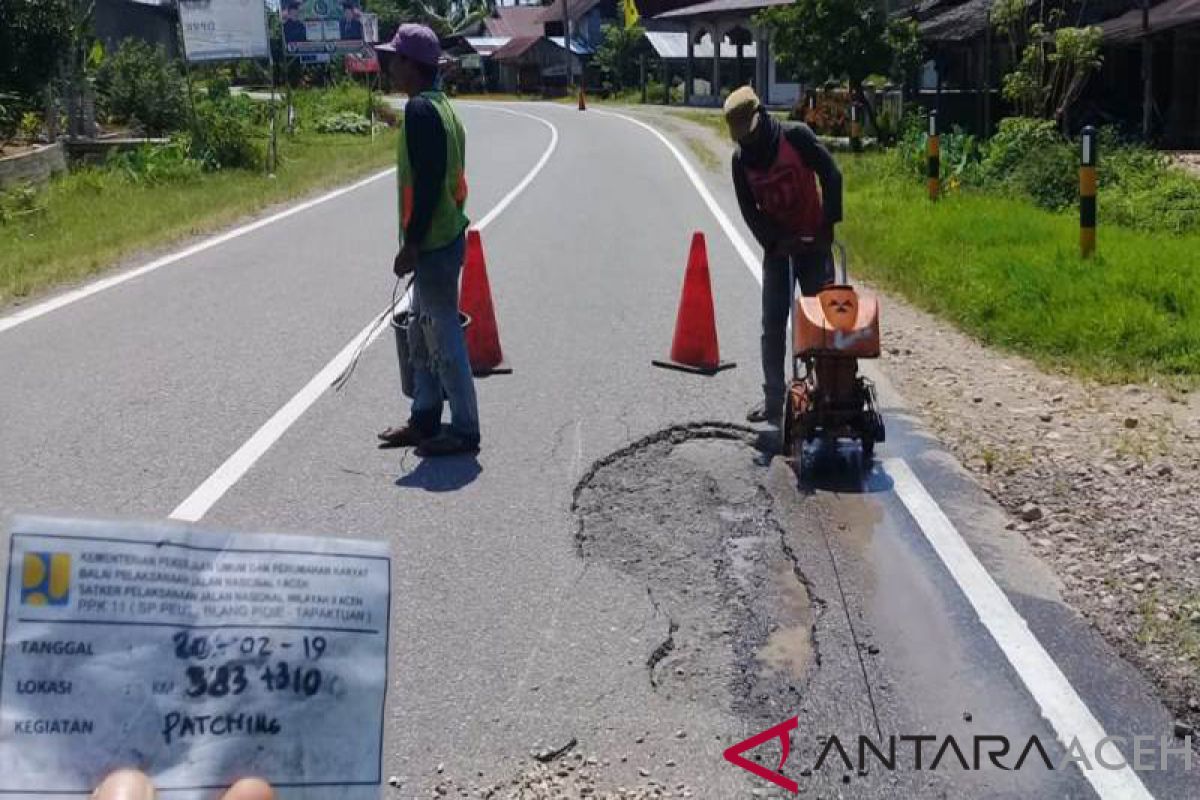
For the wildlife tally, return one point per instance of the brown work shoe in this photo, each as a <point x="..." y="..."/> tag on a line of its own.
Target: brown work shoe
<point x="404" y="436"/>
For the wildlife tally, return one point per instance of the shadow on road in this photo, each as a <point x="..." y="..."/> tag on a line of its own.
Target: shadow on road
<point x="442" y="474"/>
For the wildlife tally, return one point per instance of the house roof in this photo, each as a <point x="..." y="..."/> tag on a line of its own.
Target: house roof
<point x="953" y="21"/>
<point x="1163" y="17"/>
<point x="673" y="45"/>
<point x="515" y="21"/>
<point x="486" y="45"/>
<point x="577" y="47"/>
<point x="575" y="9"/>
<point x="653" y="8"/>
<point x="515" y="48"/>
<point x="714" y="8"/>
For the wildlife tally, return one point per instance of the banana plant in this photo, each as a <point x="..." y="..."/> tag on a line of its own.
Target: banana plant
<point x="455" y="17"/>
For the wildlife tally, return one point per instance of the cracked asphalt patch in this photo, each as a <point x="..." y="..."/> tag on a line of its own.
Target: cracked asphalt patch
<point x="756" y="619"/>
<point x="685" y="512"/>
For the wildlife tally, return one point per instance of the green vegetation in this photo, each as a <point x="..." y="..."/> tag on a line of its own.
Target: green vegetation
<point x="85" y="221"/>
<point x="1027" y="158"/>
<point x="1052" y="62"/>
<point x="617" y="57"/>
<point x="849" y="40"/>
<point x="1010" y="274"/>
<point x="140" y="86"/>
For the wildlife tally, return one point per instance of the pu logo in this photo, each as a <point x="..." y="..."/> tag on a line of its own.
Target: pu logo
<point x="46" y="579"/>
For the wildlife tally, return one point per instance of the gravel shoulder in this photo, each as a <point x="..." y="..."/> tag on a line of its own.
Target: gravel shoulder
<point x="1103" y="480"/>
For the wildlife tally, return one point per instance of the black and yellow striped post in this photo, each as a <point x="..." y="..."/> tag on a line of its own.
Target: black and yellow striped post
<point x="934" y="172"/>
<point x="1087" y="192"/>
<point x="856" y="127"/>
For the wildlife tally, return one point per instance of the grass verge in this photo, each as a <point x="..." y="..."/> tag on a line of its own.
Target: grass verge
<point x="1011" y="275"/>
<point x="92" y="218"/>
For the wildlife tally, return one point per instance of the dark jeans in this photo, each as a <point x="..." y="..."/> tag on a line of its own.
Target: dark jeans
<point x="812" y="271"/>
<point x="441" y="368"/>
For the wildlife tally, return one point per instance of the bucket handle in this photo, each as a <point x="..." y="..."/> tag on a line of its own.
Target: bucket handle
<point x="384" y="318"/>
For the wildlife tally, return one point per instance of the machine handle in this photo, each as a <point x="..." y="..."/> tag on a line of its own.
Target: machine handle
<point x="839" y="254"/>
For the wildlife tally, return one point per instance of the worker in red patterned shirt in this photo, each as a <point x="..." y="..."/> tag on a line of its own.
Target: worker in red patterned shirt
<point x="789" y="190"/>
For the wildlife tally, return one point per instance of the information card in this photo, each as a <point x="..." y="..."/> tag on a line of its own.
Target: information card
<point x="199" y="657"/>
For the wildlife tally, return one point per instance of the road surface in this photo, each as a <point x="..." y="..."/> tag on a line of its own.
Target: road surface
<point x="623" y="563"/>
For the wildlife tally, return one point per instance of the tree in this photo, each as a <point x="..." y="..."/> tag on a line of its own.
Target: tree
<point x="392" y="13"/>
<point x="617" y="55"/>
<point x="33" y="35"/>
<point x="1052" y="62"/>
<point x="841" y="40"/>
<point x="454" y="17"/>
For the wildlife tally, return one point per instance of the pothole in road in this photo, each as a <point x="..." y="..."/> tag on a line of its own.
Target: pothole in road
<point x="686" y="511"/>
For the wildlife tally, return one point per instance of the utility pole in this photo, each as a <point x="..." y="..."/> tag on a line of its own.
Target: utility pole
<point x="567" y="40"/>
<point x="1147" y="72"/>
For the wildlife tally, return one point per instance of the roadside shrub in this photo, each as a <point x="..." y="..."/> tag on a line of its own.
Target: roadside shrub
<point x="1015" y="139"/>
<point x="30" y="127"/>
<point x="218" y="87"/>
<point x="1140" y="188"/>
<point x="888" y="127"/>
<point x="139" y="85"/>
<point x="222" y="138"/>
<point x="315" y="105"/>
<point x="345" y="122"/>
<point x="960" y="152"/>
<point x="17" y="202"/>
<point x="1027" y="157"/>
<point x="157" y="164"/>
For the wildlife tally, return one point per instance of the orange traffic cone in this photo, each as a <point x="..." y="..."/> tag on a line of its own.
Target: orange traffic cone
<point x="694" y="348"/>
<point x="582" y="100"/>
<point x="483" y="339"/>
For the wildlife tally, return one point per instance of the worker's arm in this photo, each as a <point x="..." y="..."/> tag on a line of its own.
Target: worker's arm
<point x="426" y="139"/>
<point x="765" y="230"/>
<point x="821" y="162"/>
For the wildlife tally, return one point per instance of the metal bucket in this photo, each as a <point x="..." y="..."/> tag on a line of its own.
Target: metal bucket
<point x="400" y="323"/>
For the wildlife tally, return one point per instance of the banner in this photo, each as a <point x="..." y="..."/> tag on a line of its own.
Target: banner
<point x="224" y="30"/>
<point x="363" y="62"/>
<point x="323" y="26"/>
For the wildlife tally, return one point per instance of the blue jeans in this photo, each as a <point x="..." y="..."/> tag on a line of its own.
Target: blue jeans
<point x="812" y="271"/>
<point x="441" y="369"/>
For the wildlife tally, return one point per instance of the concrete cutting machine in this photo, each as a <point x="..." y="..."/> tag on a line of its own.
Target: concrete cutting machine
<point x="828" y="399"/>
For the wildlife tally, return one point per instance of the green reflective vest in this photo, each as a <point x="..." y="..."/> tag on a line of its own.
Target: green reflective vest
<point x="448" y="221"/>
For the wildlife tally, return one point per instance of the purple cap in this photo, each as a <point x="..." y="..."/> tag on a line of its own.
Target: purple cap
<point x="416" y="43"/>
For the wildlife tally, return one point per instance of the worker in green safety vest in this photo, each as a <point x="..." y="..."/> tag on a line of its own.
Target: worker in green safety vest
<point x="433" y="193"/>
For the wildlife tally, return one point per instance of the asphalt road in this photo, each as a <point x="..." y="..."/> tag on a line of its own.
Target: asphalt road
<point x="525" y="614"/>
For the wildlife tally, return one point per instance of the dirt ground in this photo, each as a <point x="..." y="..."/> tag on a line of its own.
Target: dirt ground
<point x="1103" y="480"/>
<point x="1189" y="161"/>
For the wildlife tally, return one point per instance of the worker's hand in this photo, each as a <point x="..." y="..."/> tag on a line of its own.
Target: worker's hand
<point x="128" y="784"/>
<point x="406" y="261"/>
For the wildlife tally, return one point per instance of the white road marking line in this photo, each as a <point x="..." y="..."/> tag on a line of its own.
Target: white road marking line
<point x="735" y="238"/>
<point x="237" y="465"/>
<point x="75" y="295"/>
<point x="1060" y="705"/>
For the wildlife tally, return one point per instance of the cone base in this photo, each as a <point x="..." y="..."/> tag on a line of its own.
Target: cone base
<point x="695" y="370"/>
<point x="500" y="369"/>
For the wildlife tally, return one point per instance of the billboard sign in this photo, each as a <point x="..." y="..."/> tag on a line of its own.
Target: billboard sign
<point x="363" y="62"/>
<point x="323" y="26"/>
<point x="224" y="30"/>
